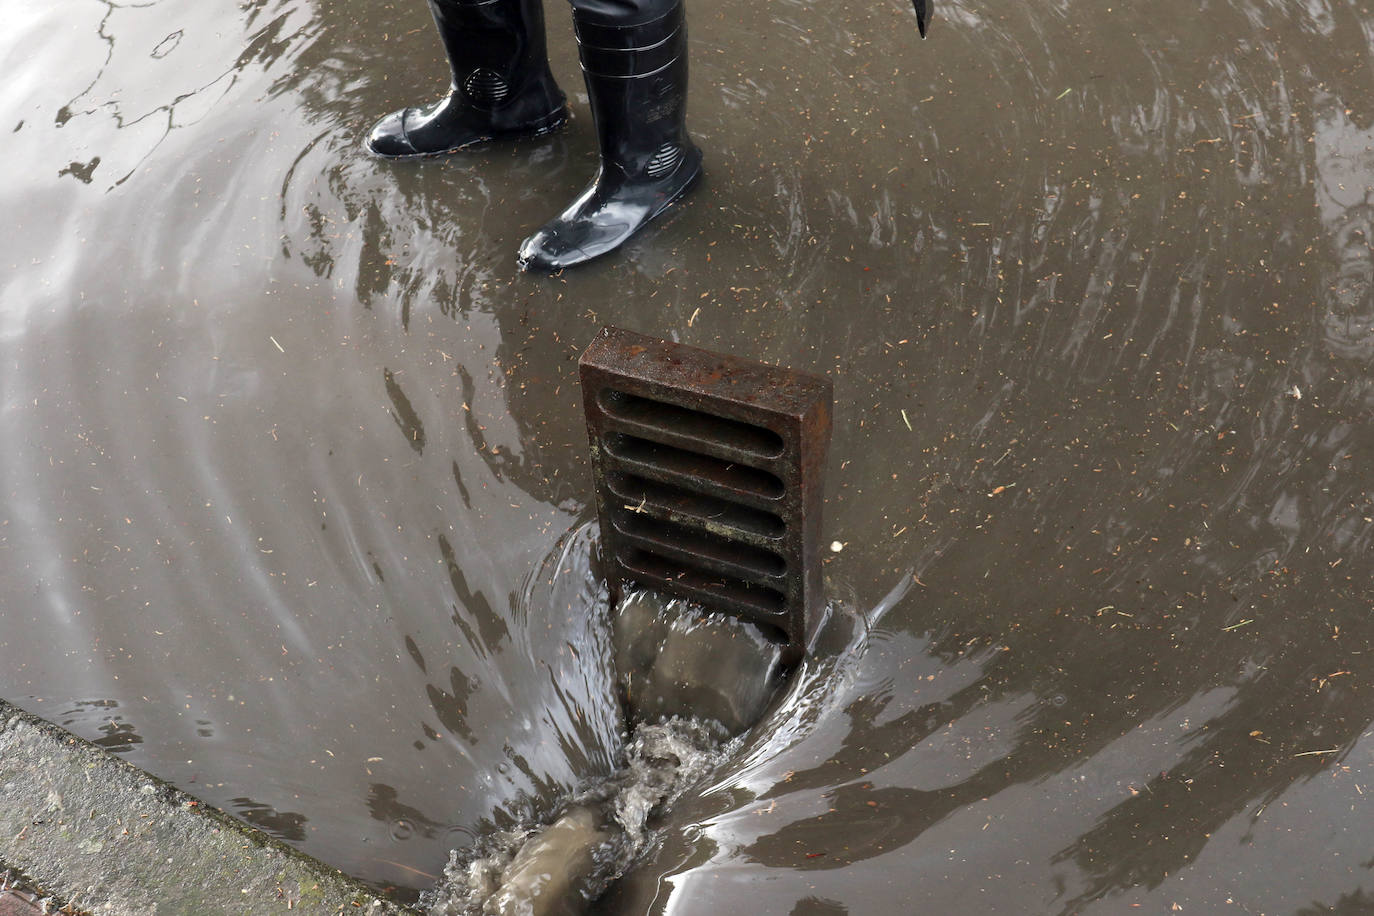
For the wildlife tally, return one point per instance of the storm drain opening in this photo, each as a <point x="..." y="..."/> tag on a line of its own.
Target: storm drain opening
<point x="709" y="472"/>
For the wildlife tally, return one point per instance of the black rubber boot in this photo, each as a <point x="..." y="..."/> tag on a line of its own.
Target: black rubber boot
<point x="637" y="80"/>
<point x="502" y="88"/>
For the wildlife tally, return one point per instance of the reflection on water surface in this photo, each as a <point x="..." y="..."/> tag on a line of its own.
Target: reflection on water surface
<point x="293" y="483"/>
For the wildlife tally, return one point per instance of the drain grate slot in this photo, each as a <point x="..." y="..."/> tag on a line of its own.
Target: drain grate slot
<point x="708" y="478"/>
<point x="693" y="469"/>
<point x="710" y="588"/>
<point x="691" y="429"/>
<point x="729" y="557"/>
<point x="687" y="507"/>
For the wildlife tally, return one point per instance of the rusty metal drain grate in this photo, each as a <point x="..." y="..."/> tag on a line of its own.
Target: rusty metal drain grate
<point x="709" y="477"/>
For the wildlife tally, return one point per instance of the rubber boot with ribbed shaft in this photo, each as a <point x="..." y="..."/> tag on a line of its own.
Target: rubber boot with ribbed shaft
<point x="502" y="88"/>
<point x="637" y="81"/>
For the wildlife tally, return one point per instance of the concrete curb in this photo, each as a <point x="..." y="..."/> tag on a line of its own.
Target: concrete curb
<point x="102" y="836"/>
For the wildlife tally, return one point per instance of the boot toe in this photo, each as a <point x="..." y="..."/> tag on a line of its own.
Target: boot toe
<point x="389" y="138"/>
<point x="547" y="251"/>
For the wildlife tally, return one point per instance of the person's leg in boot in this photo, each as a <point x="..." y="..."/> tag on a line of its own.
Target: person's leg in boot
<point x="502" y="88"/>
<point x="634" y="59"/>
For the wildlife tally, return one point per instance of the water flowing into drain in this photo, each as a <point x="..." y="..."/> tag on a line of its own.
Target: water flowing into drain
<point x="688" y="680"/>
<point x="596" y="837"/>
<point x="708" y="474"/>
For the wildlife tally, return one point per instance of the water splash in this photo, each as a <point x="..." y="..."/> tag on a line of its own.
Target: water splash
<point x="662" y="761"/>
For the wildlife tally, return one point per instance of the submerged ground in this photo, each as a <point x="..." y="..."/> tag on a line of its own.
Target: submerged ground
<point x="293" y="476"/>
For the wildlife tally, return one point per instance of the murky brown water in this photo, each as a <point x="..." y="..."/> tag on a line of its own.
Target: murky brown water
<point x="293" y="470"/>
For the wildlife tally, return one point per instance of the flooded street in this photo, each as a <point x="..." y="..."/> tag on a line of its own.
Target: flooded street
<point x="294" y="486"/>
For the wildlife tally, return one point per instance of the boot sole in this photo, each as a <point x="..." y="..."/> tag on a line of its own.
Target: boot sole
<point x="559" y="121"/>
